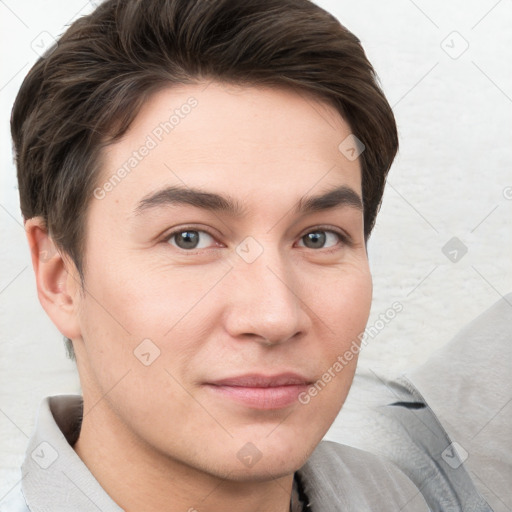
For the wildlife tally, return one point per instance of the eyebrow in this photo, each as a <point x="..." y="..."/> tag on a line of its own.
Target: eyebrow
<point x="169" y="196"/>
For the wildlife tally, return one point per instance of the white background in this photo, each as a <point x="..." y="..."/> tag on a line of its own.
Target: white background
<point x="450" y="180"/>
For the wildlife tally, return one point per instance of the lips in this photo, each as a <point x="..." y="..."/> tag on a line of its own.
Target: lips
<point x="260" y="391"/>
<point x="262" y="381"/>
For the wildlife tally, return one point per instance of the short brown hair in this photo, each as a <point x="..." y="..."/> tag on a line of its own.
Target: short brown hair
<point x="85" y="91"/>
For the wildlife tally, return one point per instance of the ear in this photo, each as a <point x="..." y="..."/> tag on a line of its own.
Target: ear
<point x="58" y="282"/>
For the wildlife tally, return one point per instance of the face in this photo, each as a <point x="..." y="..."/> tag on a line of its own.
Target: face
<point x="226" y="274"/>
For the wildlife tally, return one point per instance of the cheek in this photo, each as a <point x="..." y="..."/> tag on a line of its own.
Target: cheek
<point x="130" y="311"/>
<point x="346" y="303"/>
<point x="147" y="299"/>
<point x="134" y="326"/>
<point x="344" y="312"/>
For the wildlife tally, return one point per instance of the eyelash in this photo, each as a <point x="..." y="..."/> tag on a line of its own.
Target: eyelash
<point x="343" y="238"/>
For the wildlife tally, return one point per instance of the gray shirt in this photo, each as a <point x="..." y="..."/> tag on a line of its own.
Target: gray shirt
<point x="335" y="478"/>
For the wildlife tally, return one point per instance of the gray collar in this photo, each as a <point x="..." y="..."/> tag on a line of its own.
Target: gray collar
<point x="55" y="477"/>
<point x="335" y="477"/>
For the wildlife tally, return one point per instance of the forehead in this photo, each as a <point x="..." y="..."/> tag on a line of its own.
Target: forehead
<point x="253" y="142"/>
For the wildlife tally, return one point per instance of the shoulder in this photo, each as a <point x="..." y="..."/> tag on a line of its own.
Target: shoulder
<point x="340" y="477"/>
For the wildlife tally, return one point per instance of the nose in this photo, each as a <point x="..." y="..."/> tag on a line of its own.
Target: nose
<point x="265" y="303"/>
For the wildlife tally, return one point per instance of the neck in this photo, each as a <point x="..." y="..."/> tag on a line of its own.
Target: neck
<point x="139" y="477"/>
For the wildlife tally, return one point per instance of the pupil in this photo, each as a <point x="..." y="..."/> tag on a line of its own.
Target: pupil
<point x="315" y="240"/>
<point x="187" y="239"/>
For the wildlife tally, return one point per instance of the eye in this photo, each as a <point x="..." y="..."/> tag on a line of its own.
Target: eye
<point x="190" y="239"/>
<point x="321" y="239"/>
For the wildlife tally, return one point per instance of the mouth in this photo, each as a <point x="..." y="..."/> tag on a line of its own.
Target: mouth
<point x="260" y="391"/>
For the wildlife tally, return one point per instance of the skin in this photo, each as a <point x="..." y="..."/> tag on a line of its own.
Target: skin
<point x="155" y="436"/>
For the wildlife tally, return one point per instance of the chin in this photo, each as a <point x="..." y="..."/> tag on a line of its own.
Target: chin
<point x="262" y="459"/>
<point x="264" y="470"/>
<point x="270" y="457"/>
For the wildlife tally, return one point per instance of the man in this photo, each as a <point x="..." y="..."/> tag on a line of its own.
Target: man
<point x="199" y="179"/>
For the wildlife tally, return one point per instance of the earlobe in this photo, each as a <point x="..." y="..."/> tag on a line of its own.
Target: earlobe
<point x="57" y="280"/>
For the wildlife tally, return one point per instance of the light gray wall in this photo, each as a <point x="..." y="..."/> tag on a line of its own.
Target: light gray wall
<point x="453" y="178"/>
